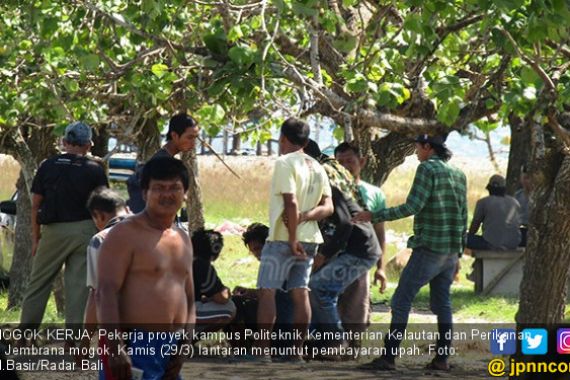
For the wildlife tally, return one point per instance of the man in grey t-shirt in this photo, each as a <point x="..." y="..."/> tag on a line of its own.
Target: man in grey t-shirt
<point x="500" y="215"/>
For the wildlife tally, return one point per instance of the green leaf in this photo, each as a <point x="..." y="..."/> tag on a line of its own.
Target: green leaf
<point x="235" y="33"/>
<point x="449" y="111"/>
<point x="304" y="8"/>
<point x="338" y="134"/>
<point x="529" y="76"/>
<point x="89" y="61"/>
<point x="216" y="42"/>
<point x="359" y="84"/>
<point x="280" y="4"/>
<point x="241" y="56"/>
<point x="349" y="3"/>
<point x="159" y="70"/>
<point x="345" y="42"/>
<point x="211" y="115"/>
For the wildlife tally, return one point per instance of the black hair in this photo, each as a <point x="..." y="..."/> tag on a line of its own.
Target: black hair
<point x="164" y="168"/>
<point x="255" y="232"/>
<point x="440" y="150"/>
<point x="104" y="200"/>
<point x="345" y="147"/>
<point x="296" y="131"/>
<point x="207" y="244"/>
<point x="179" y="123"/>
<point x="498" y="191"/>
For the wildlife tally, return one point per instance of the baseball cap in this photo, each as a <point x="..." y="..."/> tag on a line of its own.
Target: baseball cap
<point x="78" y="133"/>
<point x="497" y="181"/>
<point x="434" y="140"/>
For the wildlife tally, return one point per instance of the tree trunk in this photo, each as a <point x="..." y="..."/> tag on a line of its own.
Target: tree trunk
<point x="543" y="287"/>
<point x="225" y="138"/>
<point x="148" y="139"/>
<point x="194" y="205"/>
<point x="29" y="147"/>
<point x="100" y="142"/>
<point x="22" y="258"/>
<point x="387" y="153"/>
<point x="236" y="143"/>
<point x="519" y="154"/>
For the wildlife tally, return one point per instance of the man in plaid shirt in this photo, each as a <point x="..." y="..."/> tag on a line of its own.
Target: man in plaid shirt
<point x="438" y="201"/>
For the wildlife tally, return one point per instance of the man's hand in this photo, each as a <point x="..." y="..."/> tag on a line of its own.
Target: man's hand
<point x="297" y="250"/>
<point x="35" y="244"/>
<point x="380" y="275"/>
<point x="319" y="261"/>
<point x="457" y="269"/>
<point x="301" y="219"/>
<point x="362" y="216"/>
<point x="120" y="364"/>
<point x="173" y="367"/>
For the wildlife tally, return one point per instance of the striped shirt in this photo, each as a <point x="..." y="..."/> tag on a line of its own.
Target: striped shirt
<point x="438" y="200"/>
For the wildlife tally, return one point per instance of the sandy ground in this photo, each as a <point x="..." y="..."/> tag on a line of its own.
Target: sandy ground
<point x="206" y="368"/>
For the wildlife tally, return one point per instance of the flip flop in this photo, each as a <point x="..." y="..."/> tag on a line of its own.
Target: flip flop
<point x="435" y="365"/>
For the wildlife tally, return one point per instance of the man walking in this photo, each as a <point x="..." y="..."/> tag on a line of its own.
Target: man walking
<point x="438" y="202"/>
<point x="62" y="226"/>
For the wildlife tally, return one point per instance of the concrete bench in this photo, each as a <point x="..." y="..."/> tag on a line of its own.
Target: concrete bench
<point x="498" y="272"/>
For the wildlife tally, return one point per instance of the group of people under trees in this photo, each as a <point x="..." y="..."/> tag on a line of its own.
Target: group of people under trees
<point x="326" y="231"/>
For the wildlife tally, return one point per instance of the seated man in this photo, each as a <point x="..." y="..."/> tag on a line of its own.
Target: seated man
<point x="500" y="216"/>
<point x="214" y="308"/>
<point x="245" y="299"/>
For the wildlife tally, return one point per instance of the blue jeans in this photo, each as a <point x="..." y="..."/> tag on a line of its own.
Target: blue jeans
<point x="477" y="242"/>
<point x="424" y="267"/>
<point x="328" y="283"/>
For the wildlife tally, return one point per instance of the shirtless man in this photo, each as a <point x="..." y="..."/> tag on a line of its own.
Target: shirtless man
<point x="145" y="279"/>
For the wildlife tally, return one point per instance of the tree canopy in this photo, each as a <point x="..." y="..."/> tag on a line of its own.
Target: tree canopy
<point x="397" y="66"/>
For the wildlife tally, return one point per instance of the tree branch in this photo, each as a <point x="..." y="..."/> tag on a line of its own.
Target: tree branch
<point x="535" y="66"/>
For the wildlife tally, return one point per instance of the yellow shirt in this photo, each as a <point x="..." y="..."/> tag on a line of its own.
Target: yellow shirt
<point x="299" y="174"/>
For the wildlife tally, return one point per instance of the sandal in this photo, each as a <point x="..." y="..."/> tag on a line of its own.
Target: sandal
<point x="438" y="365"/>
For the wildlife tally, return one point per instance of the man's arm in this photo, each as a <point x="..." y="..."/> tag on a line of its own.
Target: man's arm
<point x="478" y="216"/>
<point x="292" y="215"/>
<point x="175" y="364"/>
<point x="416" y="201"/>
<point x="324" y="209"/>
<point x="113" y="264"/>
<point x="36" y="234"/>
<point x="380" y="274"/>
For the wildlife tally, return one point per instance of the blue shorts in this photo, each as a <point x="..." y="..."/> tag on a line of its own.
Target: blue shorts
<point x="147" y="354"/>
<point x="279" y="265"/>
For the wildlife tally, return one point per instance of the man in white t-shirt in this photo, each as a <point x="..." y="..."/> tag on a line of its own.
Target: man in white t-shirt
<point x="300" y="196"/>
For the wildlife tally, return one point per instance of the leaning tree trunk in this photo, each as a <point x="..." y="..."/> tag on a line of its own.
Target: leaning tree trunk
<point x="22" y="258"/>
<point x="28" y="147"/>
<point x="387" y="153"/>
<point x="519" y="153"/>
<point x="194" y="204"/>
<point x="543" y="289"/>
<point x="148" y="139"/>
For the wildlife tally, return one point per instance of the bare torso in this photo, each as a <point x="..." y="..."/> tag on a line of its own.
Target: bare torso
<point x="153" y="272"/>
